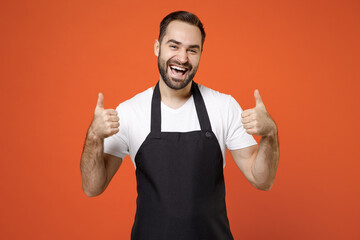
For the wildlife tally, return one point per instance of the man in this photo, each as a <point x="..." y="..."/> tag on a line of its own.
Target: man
<point x="176" y="134"/>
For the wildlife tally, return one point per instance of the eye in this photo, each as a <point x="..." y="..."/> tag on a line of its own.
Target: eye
<point x="192" y="50"/>
<point x="173" y="46"/>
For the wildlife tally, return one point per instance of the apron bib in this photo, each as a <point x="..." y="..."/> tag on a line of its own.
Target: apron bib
<point x="180" y="181"/>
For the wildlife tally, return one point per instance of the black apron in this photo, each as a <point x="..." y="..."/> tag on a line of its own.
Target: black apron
<point x="180" y="181"/>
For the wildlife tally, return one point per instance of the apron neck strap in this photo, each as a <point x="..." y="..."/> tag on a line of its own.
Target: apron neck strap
<point x="156" y="112"/>
<point x="199" y="105"/>
<point x="200" y="108"/>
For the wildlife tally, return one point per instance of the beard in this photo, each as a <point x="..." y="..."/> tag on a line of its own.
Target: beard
<point x="163" y="69"/>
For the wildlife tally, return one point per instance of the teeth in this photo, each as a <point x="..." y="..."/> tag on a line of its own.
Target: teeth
<point x="178" y="68"/>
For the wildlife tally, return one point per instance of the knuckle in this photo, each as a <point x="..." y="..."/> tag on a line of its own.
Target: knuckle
<point x="113" y="131"/>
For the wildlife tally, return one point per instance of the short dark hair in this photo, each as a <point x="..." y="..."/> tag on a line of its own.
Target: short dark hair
<point x="184" y="17"/>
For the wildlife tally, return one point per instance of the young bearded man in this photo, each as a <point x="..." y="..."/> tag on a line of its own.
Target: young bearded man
<point x="176" y="134"/>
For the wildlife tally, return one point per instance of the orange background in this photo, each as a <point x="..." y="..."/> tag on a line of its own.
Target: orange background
<point x="55" y="56"/>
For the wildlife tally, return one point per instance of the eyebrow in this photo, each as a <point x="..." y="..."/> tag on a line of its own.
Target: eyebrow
<point x="179" y="43"/>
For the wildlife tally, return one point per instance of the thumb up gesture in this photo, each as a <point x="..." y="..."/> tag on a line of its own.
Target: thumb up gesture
<point x="105" y="122"/>
<point x="256" y="120"/>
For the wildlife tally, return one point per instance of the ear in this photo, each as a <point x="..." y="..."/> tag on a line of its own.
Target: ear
<point x="156" y="47"/>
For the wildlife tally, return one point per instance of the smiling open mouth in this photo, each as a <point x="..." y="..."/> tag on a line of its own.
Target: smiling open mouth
<point x="178" y="71"/>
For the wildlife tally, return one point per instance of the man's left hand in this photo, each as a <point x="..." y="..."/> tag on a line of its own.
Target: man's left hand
<point x="257" y="120"/>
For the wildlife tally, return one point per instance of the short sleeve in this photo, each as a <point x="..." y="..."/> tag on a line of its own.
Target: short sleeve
<point x="236" y="137"/>
<point x="118" y="144"/>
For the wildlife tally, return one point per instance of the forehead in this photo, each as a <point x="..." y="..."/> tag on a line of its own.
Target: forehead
<point x="183" y="32"/>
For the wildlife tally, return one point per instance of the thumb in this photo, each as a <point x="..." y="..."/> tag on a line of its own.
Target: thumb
<point x="257" y="97"/>
<point x="100" y="101"/>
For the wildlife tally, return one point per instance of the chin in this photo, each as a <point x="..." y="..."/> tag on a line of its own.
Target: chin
<point x="178" y="84"/>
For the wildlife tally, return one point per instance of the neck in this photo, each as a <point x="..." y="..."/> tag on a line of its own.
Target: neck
<point x="174" y="98"/>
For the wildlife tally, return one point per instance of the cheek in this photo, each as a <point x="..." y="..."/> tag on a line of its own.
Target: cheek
<point x="165" y="58"/>
<point x="162" y="60"/>
<point x="194" y="61"/>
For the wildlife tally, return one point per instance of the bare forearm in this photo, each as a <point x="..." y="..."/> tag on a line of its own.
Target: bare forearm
<point x="265" y="165"/>
<point x="96" y="171"/>
<point x="92" y="165"/>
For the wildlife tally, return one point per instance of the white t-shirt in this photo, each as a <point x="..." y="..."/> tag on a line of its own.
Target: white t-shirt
<point x="135" y="114"/>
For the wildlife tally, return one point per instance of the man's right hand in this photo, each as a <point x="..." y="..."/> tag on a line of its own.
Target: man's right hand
<point x="105" y="122"/>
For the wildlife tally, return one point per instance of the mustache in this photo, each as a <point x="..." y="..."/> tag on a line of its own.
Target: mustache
<point x="186" y="65"/>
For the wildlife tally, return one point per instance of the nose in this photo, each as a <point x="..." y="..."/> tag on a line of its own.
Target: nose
<point x="182" y="56"/>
